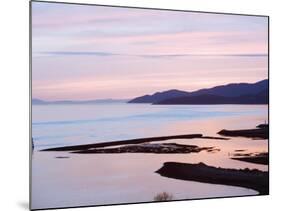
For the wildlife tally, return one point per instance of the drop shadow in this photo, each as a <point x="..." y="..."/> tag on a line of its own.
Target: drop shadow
<point x="24" y="205"/>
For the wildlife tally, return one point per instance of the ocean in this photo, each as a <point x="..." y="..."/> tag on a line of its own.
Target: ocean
<point x="97" y="179"/>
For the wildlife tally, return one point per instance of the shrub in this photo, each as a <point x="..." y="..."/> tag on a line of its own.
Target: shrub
<point x="164" y="196"/>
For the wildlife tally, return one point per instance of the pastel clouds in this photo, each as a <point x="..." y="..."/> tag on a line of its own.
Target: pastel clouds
<point x="88" y="52"/>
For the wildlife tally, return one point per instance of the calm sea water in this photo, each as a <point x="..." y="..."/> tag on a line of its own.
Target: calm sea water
<point x="125" y="178"/>
<point x="60" y="125"/>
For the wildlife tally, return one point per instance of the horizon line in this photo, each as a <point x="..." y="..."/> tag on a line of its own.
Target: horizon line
<point x="124" y="99"/>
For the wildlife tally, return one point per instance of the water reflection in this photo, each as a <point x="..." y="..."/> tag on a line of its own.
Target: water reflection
<point x="95" y="179"/>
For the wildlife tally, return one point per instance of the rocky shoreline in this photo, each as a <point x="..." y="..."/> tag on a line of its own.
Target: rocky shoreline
<point x="165" y="148"/>
<point x="262" y="131"/>
<point x="258" y="158"/>
<point x="129" y="142"/>
<point x="253" y="179"/>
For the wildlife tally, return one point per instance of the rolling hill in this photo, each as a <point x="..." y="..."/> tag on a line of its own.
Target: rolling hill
<point x="235" y="93"/>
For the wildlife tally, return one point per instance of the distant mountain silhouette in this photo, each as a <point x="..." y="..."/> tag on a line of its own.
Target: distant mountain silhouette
<point x="239" y="93"/>
<point x="159" y="96"/>
<point x="215" y="99"/>
<point x="235" y="90"/>
<point x="38" y="101"/>
<point x="71" y="102"/>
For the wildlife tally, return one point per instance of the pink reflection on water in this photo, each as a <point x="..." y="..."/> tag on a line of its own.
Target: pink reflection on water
<point x="96" y="179"/>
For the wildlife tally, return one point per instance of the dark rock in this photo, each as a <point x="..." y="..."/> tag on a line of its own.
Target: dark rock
<point x="259" y="158"/>
<point x="254" y="179"/>
<point x="263" y="126"/>
<point x="262" y="132"/>
<point x="62" y="157"/>
<point x="124" y="142"/>
<point x="165" y="148"/>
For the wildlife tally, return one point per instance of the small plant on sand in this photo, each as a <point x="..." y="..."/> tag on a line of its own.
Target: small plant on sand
<point x="164" y="196"/>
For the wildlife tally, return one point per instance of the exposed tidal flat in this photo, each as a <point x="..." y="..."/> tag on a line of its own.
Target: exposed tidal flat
<point x="106" y="178"/>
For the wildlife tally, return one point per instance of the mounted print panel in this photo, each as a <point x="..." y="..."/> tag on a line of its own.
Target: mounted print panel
<point x="134" y="105"/>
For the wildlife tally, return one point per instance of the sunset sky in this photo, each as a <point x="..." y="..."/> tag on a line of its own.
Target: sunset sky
<point x="84" y="52"/>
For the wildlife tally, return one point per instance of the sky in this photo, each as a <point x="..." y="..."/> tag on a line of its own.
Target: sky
<point x="82" y="52"/>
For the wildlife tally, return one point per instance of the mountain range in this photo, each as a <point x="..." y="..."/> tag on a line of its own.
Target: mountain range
<point x="235" y="93"/>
